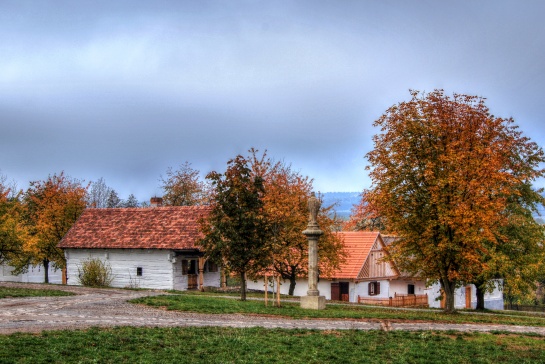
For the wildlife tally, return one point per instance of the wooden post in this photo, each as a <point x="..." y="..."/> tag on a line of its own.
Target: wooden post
<point x="390" y="300"/>
<point x="266" y="290"/>
<point x="223" y="279"/>
<point x="201" y="274"/>
<point x="64" y="278"/>
<point x="278" y="291"/>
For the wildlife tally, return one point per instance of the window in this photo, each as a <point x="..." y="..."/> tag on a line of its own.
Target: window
<point x="185" y="267"/>
<point x="374" y="288"/>
<point x="410" y="289"/>
<point x="139" y="271"/>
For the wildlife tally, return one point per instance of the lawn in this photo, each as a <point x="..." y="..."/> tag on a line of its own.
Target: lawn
<point x="9" y="292"/>
<point x="210" y="304"/>
<point x="258" y="345"/>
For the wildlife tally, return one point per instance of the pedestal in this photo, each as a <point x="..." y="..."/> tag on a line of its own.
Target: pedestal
<point x="313" y="302"/>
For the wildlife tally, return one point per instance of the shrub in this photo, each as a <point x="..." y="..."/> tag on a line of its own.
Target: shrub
<point x="95" y="273"/>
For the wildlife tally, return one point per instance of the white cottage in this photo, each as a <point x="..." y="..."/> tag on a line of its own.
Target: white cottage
<point x="145" y="247"/>
<point x="366" y="278"/>
<point x="363" y="277"/>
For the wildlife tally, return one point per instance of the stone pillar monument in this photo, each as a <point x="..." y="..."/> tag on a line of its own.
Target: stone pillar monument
<point x="313" y="300"/>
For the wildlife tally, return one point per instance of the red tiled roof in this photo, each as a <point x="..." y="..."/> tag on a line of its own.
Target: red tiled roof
<point x="357" y="245"/>
<point x="137" y="228"/>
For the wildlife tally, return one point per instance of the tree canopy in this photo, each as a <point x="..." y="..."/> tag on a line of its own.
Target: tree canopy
<point x="447" y="178"/>
<point x="52" y="207"/>
<point x="183" y="187"/>
<point x="12" y="229"/>
<point x="286" y="202"/>
<point x="237" y="233"/>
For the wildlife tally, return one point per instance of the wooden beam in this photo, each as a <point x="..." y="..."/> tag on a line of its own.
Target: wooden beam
<point x="201" y="274"/>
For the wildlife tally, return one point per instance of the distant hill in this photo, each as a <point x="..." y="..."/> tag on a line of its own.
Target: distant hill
<point x="343" y="200"/>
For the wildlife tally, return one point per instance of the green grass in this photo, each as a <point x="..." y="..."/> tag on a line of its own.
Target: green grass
<point x="7" y="292"/>
<point x="218" y="305"/>
<point x="259" y="345"/>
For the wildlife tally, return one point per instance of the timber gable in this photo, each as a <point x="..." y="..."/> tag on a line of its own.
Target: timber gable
<point x="376" y="268"/>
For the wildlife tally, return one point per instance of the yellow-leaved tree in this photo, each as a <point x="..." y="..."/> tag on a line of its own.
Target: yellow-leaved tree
<point x="51" y="208"/>
<point x="12" y="229"/>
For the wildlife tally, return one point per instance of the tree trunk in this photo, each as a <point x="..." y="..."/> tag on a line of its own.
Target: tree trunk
<point x="448" y="290"/>
<point x="243" y="286"/>
<point x="46" y="270"/>
<point x="480" y="297"/>
<point x="293" y="281"/>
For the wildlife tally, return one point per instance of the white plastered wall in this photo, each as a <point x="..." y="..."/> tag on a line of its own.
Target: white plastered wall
<point x="35" y="274"/>
<point x="492" y="300"/>
<point x="157" y="269"/>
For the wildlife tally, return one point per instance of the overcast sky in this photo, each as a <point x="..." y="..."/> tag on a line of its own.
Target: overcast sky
<point x="124" y="89"/>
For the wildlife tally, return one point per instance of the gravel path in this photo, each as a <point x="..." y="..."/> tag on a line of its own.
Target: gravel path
<point x="92" y="307"/>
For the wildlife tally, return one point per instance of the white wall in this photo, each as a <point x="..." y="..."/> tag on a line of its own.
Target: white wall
<point x="362" y="289"/>
<point x="301" y="288"/>
<point x="212" y="279"/>
<point x="35" y="274"/>
<point x="492" y="300"/>
<point x="157" y="270"/>
<point x="402" y="287"/>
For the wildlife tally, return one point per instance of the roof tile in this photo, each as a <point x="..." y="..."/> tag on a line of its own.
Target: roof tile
<point x="357" y="246"/>
<point x="173" y="227"/>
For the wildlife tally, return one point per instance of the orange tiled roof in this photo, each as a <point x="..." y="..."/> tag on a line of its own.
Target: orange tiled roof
<point x="357" y="245"/>
<point x="136" y="228"/>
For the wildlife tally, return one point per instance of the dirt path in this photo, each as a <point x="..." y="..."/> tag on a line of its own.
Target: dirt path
<point x="108" y="307"/>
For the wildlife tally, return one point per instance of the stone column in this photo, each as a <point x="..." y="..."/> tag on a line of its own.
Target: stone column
<point x="313" y="300"/>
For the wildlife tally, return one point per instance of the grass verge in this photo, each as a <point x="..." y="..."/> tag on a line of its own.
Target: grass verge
<point x="219" y="305"/>
<point x="258" y="345"/>
<point x="9" y="292"/>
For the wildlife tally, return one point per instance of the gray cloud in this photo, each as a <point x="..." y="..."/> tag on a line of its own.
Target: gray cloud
<point x="122" y="90"/>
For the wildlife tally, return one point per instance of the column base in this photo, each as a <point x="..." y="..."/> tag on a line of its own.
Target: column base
<point x="313" y="302"/>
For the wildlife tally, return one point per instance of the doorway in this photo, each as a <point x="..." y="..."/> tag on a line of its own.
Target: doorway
<point x="340" y="291"/>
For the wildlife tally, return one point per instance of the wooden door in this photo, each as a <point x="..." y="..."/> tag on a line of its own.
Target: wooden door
<point x="335" y="291"/>
<point x="192" y="280"/>
<point x="468" y="296"/>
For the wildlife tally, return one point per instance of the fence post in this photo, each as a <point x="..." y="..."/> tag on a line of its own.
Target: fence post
<point x="390" y="299"/>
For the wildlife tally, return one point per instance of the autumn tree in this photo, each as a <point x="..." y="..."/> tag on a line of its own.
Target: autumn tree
<point x="364" y="219"/>
<point x="518" y="255"/>
<point x="444" y="171"/>
<point x="236" y="232"/>
<point x="286" y="203"/>
<point x="52" y="206"/>
<point x="183" y="187"/>
<point x="12" y="230"/>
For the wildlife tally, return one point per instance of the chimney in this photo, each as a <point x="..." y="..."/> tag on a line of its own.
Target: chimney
<point x="156" y="202"/>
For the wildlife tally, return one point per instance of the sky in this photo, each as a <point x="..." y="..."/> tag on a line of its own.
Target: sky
<point x="125" y="89"/>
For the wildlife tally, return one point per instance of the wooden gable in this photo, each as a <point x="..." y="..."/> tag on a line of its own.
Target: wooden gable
<point x="374" y="267"/>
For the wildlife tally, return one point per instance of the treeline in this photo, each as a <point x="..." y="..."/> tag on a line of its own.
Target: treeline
<point x="258" y="206"/>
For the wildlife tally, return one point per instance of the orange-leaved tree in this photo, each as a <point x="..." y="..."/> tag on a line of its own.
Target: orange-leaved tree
<point x="443" y="171"/>
<point x="286" y="204"/>
<point x="12" y="229"/>
<point x="364" y="218"/>
<point x="52" y="207"/>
